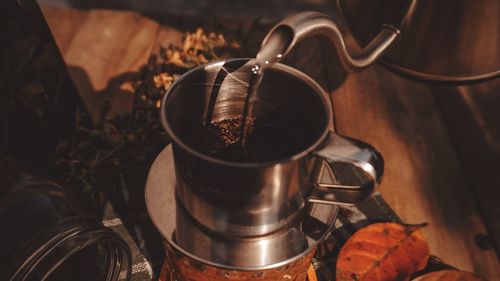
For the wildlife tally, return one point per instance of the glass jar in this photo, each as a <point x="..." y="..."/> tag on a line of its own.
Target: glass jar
<point x="44" y="234"/>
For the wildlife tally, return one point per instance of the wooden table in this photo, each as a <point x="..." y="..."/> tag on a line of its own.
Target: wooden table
<point x="441" y="144"/>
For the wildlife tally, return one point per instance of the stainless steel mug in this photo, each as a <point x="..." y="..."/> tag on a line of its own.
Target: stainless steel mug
<point x="192" y="253"/>
<point x="257" y="198"/>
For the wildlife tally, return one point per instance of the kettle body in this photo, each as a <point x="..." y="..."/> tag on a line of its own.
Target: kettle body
<point x="446" y="40"/>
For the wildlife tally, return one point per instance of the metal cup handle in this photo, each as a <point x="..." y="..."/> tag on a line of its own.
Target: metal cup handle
<point x="356" y="168"/>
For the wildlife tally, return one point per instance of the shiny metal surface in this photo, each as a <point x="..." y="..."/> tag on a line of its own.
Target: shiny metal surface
<point x="307" y="24"/>
<point x="453" y="40"/>
<point x="248" y="199"/>
<point x="209" y="251"/>
<point x="356" y="167"/>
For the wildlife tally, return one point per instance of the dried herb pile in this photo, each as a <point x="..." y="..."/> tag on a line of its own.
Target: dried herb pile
<point x="118" y="149"/>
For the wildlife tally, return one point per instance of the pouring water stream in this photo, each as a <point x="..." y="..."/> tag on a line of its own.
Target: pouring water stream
<point x="270" y="53"/>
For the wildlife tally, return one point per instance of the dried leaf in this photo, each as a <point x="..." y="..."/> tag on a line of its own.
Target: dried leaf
<point x="199" y="32"/>
<point x="188" y="42"/>
<point x="202" y="58"/>
<point x="163" y="80"/>
<point x="384" y="252"/>
<point x="95" y="158"/>
<point x="174" y="57"/>
<point x="449" y="275"/>
<point x="311" y="274"/>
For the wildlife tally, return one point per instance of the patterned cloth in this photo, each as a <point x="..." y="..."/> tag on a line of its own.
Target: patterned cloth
<point x="142" y="267"/>
<point x="147" y="267"/>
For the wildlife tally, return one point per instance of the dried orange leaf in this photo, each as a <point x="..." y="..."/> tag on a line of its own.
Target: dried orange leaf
<point x="449" y="275"/>
<point x="383" y="252"/>
<point x="311" y="274"/>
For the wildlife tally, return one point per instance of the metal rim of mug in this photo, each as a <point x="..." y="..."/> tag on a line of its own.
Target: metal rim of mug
<point x="278" y="66"/>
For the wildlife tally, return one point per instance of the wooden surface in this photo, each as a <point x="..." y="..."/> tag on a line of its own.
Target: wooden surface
<point x="439" y="169"/>
<point x="472" y="116"/>
<point x="424" y="179"/>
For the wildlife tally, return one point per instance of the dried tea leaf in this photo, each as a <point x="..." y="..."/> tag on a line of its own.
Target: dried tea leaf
<point x="174" y="57"/>
<point x="163" y="80"/>
<point x="449" y="275"/>
<point x="98" y="158"/>
<point x="383" y="251"/>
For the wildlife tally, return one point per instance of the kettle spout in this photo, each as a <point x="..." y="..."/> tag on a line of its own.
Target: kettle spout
<point x="306" y="24"/>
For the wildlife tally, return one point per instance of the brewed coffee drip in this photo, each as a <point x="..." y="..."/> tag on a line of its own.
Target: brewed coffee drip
<point x="270" y="52"/>
<point x="229" y="139"/>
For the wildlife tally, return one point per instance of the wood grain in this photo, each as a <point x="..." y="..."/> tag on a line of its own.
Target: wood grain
<point x="424" y="179"/>
<point x="472" y="116"/>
